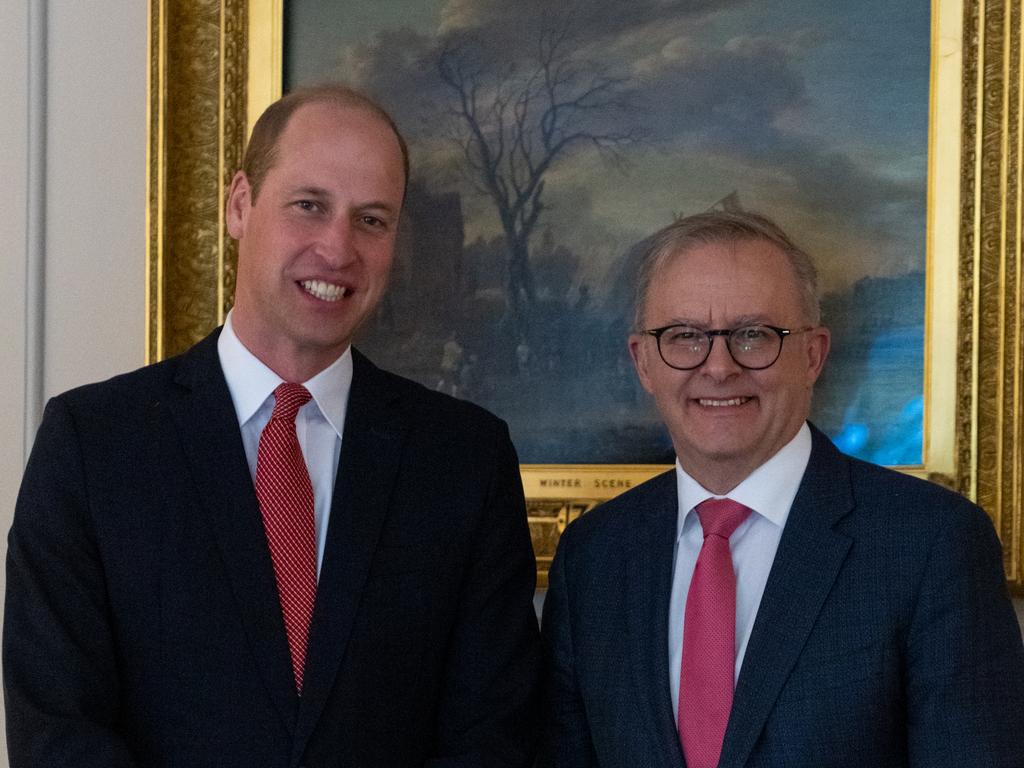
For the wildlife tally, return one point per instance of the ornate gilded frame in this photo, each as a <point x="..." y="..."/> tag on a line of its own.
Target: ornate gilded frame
<point x="216" y="63"/>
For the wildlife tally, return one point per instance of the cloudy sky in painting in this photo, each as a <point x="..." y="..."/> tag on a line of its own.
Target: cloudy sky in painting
<point x="815" y="113"/>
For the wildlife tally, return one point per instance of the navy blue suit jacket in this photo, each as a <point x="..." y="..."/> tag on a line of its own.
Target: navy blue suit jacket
<point x="885" y="636"/>
<point x="142" y="622"/>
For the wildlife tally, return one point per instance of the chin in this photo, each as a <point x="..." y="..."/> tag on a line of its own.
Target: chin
<point x="728" y="452"/>
<point x="727" y="440"/>
<point x="709" y="449"/>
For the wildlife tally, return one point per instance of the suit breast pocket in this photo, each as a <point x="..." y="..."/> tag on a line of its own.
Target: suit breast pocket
<point x="859" y="665"/>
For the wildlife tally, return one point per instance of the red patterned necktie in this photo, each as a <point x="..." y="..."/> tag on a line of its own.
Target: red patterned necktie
<point x="707" y="673"/>
<point x="286" y="503"/>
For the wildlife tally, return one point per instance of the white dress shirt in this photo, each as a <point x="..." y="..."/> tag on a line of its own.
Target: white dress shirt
<point x="769" y="491"/>
<point x="318" y="424"/>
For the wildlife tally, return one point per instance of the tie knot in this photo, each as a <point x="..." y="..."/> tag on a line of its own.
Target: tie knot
<point x="288" y="398"/>
<point x="720" y="517"/>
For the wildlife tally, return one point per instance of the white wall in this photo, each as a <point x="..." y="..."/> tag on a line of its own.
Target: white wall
<point x="95" y="203"/>
<point x="95" y="100"/>
<point x="13" y="171"/>
<point x="96" y="191"/>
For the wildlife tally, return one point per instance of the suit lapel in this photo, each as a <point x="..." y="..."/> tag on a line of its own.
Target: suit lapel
<point x="209" y="433"/>
<point x="374" y="434"/>
<point x="652" y="555"/>
<point x="806" y="564"/>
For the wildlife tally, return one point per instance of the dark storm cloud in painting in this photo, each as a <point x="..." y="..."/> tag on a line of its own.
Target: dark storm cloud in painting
<point x="596" y="24"/>
<point x="728" y="81"/>
<point x="816" y="114"/>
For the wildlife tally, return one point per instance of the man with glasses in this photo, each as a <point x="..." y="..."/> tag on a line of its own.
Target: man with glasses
<point x="770" y="601"/>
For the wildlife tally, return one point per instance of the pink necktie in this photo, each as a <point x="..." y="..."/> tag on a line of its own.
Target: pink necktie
<point x="709" y="638"/>
<point x="286" y="504"/>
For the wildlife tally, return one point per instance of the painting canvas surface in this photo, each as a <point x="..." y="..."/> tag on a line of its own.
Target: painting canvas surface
<point x="549" y="141"/>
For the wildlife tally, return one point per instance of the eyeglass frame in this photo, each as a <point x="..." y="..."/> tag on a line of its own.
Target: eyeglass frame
<point x="782" y="333"/>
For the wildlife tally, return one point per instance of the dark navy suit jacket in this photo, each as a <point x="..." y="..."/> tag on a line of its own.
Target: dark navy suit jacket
<point x="142" y="622"/>
<point x="885" y="636"/>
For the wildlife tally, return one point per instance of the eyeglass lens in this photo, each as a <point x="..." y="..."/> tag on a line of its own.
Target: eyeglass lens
<point x="753" y="346"/>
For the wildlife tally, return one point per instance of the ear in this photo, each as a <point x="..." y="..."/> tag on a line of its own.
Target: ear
<point x="639" y="350"/>
<point x="819" y="341"/>
<point x="238" y="206"/>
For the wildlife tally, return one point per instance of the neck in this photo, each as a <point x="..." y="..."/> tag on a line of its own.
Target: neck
<point x="718" y="477"/>
<point x="294" y="371"/>
<point x="293" y="364"/>
<point x="722" y="472"/>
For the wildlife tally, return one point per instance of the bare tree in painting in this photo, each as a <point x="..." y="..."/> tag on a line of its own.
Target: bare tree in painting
<point x="514" y="121"/>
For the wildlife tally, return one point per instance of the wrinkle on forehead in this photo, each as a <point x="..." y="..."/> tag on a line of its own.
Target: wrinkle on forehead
<point x="725" y="285"/>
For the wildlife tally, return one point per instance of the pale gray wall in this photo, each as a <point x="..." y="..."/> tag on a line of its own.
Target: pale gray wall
<point x="13" y="172"/>
<point x="95" y="203"/>
<point x="96" y="191"/>
<point x="94" y="95"/>
<point x="13" y="202"/>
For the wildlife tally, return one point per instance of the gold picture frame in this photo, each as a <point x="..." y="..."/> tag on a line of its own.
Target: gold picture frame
<point x="214" y="64"/>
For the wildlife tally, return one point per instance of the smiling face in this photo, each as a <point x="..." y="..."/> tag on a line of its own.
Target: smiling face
<point x="725" y="421"/>
<point x="315" y="247"/>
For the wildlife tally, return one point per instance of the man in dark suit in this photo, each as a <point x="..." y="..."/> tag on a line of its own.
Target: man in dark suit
<point x="162" y="609"/>
<point x="770" y="602"/>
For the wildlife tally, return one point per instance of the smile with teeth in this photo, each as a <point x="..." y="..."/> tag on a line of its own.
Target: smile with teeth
<point x="325" y="291"/>
<point x="722" y="403"/>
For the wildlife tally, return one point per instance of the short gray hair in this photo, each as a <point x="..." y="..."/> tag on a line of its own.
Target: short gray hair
<point x="714" y="227"/>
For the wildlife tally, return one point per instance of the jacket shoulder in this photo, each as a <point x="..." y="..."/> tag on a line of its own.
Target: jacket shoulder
<point x="888" y="508"/>
<point x="887" y="488"/>
<point x="614" y="521"/>
<point x="427" y="406"/>
<point x="125" y="389"/>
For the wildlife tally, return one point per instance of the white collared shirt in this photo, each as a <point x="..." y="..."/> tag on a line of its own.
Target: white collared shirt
<point x="319" y="423"/>
<point x="769" y="490"/>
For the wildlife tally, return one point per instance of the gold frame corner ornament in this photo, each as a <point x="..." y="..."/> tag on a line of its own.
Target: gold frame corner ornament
<point x="215" y="64"/>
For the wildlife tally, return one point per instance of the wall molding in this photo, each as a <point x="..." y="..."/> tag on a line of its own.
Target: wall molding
<point x="35" y="218"/>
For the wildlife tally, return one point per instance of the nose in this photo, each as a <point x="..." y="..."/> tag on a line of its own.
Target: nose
<point x="335" y="243"/>
<point x="720" y="365"/>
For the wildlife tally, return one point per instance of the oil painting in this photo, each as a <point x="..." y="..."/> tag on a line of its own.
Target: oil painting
<point x="549" y="141"/>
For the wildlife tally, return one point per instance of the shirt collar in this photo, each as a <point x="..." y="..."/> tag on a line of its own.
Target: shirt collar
<point x="251" y="382"/>
<point x="330" y="389"/>
<point x="769" y="490"/>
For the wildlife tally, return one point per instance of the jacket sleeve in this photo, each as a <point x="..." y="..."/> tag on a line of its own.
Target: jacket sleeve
<point x="566" y="741"/>
<point x="488" y="711"/>
<point x="59" y="648"/>
<point x="965" y="659"/>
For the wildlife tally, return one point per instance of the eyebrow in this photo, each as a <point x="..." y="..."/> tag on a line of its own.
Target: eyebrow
<point x="309" y="191"/>
<point x="753" y="320"/>
<point x="739" y="322"/>
<point x="377" y="205"/>
<point x="321" y="193"/>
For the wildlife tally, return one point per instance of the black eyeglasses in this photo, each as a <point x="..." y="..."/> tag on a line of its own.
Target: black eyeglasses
<point x="753" y="347"/>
